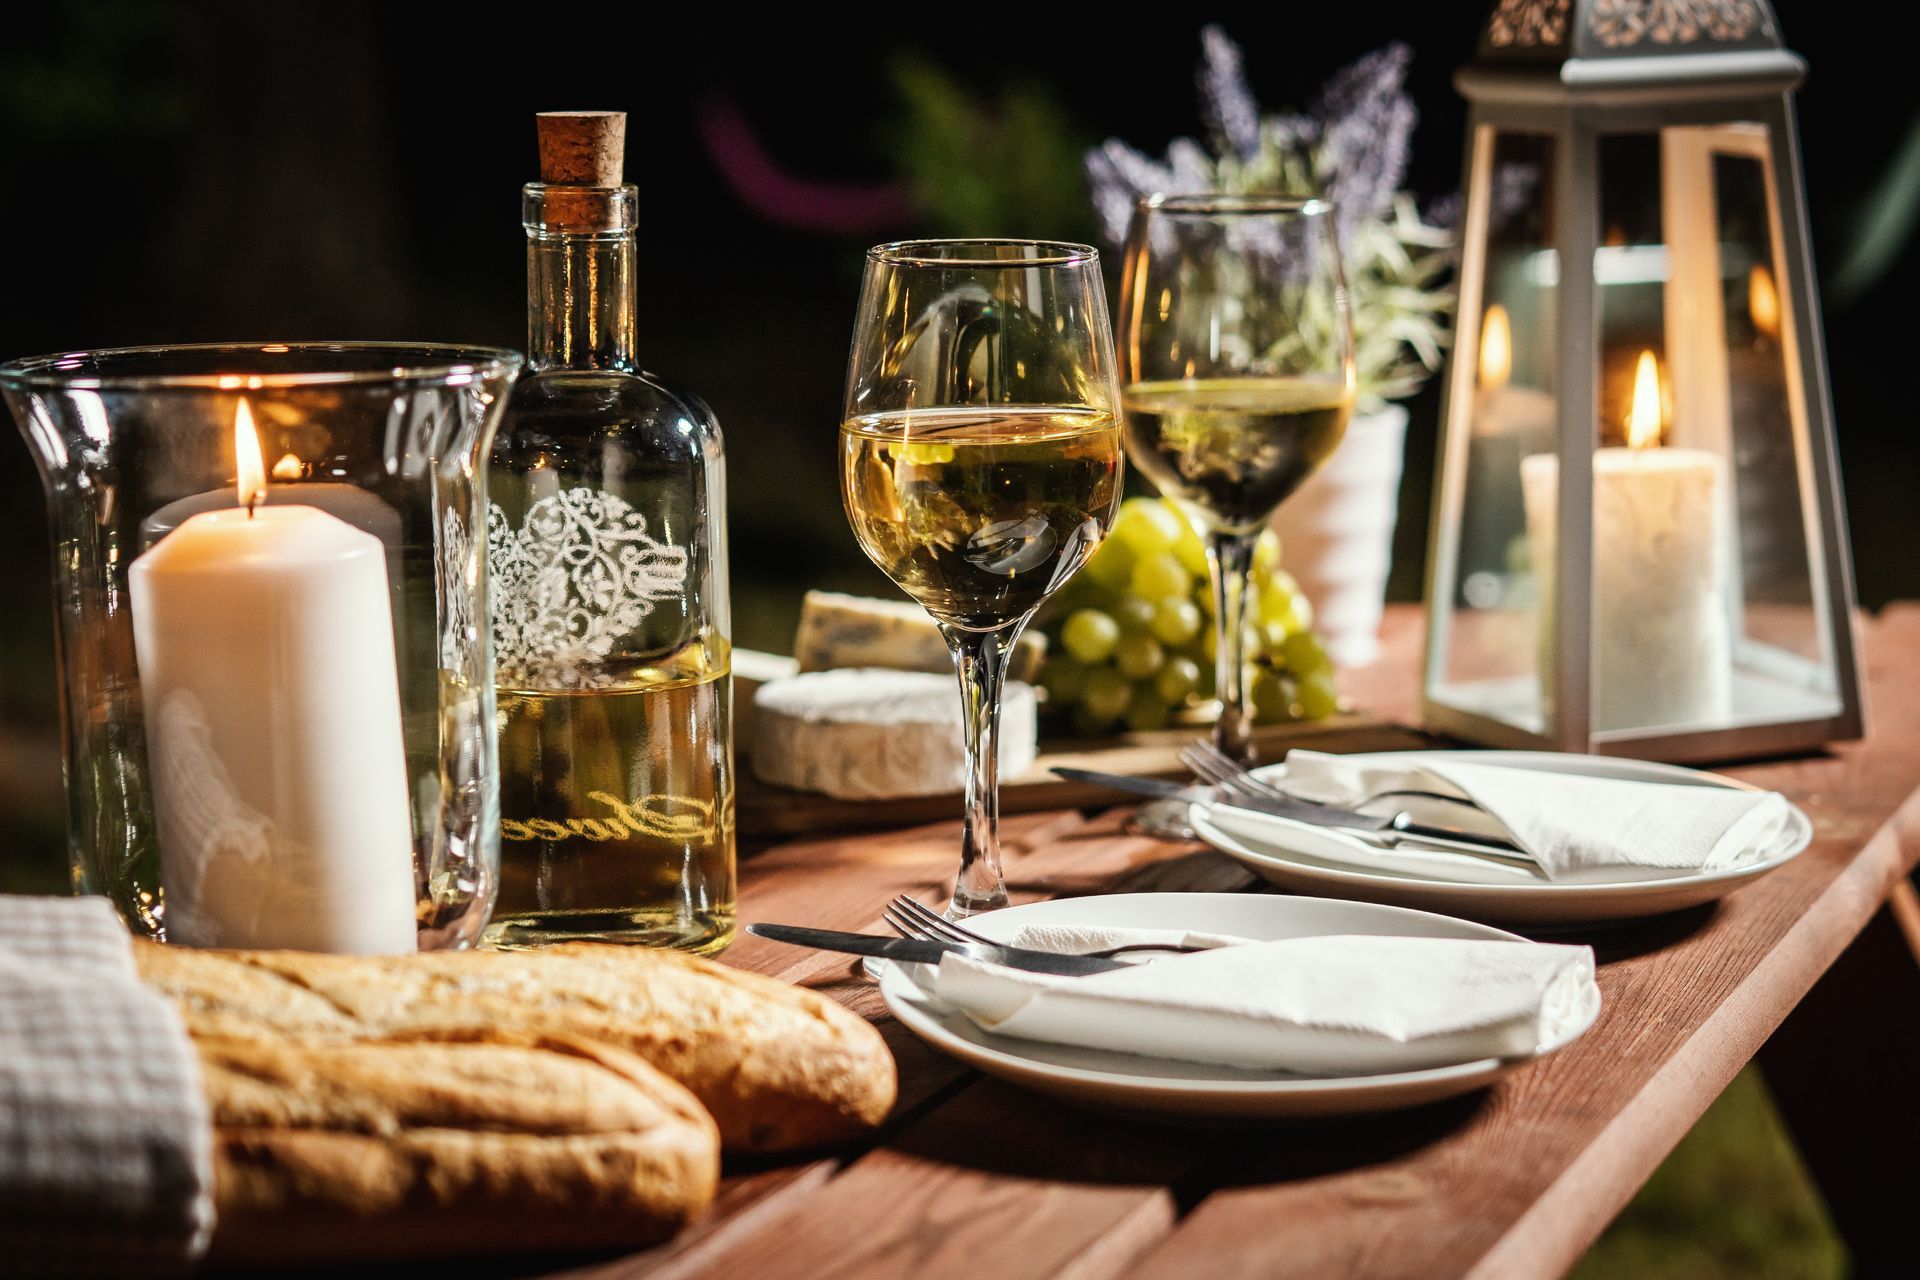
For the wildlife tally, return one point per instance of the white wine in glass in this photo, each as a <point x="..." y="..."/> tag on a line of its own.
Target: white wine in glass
<point x="1237" y="353"/>
<point x="980" y="514"/>
<point x="1235" y="447"/>
<point x="980" y="462"/>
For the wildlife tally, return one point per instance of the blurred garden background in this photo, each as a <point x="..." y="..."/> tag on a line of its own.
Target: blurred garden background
<point x="225" y="171"/>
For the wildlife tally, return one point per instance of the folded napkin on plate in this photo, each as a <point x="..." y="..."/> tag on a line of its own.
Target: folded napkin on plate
<point x="1338" y="1005"/>
<point x="1569" y="822"/>
<point x="106" y="1162"/>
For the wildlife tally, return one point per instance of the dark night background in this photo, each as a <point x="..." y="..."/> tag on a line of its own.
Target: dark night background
<point x="193" y="172"/>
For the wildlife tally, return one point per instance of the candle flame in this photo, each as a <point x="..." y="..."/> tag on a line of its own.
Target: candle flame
<point x="251" y="479"/>
<point x="1643" y="419"/>
<point x="1496" y="348"/>
<point x="289" y="467"/>
<point x="1763" y="301"/>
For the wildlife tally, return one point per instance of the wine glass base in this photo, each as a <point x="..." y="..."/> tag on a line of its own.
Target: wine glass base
<point x="1165" y="819"/>
<point x="962" y="908"/>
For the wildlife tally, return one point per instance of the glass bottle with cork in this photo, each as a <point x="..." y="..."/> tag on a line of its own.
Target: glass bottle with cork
<point x="606" y="544"/>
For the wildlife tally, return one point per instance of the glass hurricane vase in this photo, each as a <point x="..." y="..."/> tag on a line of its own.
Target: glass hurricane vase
<point x="291" y="744"/>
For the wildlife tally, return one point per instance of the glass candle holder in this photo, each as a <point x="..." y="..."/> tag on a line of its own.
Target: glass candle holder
<point x="269" y="581"/>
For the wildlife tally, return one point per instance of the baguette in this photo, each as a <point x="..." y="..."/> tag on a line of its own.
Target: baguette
<point x="338" y="1153"/>
<point x="779" y="1067"/>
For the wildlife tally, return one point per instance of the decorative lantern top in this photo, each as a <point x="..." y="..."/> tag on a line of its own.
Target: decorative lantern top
<point x="1613" y="42"/>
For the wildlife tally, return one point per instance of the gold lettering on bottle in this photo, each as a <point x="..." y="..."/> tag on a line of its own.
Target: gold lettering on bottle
<point x="664" y="817"/>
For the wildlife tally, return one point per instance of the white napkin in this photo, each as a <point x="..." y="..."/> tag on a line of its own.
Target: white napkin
<point x="1570" y="823"/>
<point x="1337" y="1005"/>
<point x="106" y="1152"/>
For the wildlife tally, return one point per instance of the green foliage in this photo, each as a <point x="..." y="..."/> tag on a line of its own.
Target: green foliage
<point x="1730" y="1203"/>
<point x="1001" y="166"/>
<point x="1399" y="267"/>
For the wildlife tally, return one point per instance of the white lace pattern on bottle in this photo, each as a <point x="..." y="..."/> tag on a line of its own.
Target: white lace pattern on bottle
<point x="579" y="573"/>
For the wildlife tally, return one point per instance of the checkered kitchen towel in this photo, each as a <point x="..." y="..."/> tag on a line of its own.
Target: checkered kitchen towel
<point x="106" y="1164"/>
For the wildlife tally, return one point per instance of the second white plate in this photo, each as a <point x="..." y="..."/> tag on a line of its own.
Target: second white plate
<point x="1314" y="860"/>
<point x="1162" y="1086"/>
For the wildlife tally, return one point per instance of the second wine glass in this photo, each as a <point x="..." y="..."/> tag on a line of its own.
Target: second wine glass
<point x="1237" y="354"/>
<point x="980" y="462"/>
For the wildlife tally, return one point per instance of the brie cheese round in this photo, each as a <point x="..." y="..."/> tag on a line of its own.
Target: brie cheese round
<point x="870" y="734"/>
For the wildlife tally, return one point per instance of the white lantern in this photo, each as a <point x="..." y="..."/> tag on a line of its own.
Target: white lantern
<point x="1638" y="544"/>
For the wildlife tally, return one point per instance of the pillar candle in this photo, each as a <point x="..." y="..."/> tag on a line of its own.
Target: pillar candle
<point x="264" y="638"/>
<point x="1661" y="654"/>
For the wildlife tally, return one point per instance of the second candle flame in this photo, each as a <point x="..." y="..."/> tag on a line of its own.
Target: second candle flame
<point x="249" y="465"/>
<point x="1496" y="348"/>
<point x="1643" y="418"/>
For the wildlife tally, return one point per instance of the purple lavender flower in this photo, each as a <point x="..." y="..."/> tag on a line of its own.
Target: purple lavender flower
<point x="1352" y="147"/>
<point x="1365" y="159"/>
<point x="1119" y="176"/>
<point x="1226" y="102"/>
<point x="1365" y="88"/>
<point x="1366" y="119"/>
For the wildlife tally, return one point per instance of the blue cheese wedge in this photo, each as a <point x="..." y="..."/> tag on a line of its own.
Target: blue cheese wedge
<point x="869" y="734"/>
<point x="852" y="631"/>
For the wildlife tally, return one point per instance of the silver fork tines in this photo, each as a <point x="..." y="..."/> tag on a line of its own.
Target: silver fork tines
<point x="912" y="918"/>
<point x="1233" y="774"/>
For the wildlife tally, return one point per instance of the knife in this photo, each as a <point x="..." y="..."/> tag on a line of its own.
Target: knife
<point x="1391" y="832"/>
<point x="922" y="951"/>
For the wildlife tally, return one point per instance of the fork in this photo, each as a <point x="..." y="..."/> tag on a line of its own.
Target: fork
<point x="1382" y="830"/>
<point x="1250" y="782"/>
<point x="913" y="919"/>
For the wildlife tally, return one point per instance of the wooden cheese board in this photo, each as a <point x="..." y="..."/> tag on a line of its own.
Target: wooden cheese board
<point x="769" y="811"/>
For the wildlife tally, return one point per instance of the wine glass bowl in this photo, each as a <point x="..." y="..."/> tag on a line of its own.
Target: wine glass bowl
<point x="980" y="460"/>
<point x="1236" y="354"/>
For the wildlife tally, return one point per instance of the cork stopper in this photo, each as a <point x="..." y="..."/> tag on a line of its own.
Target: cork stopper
<point x="582" y="148"/>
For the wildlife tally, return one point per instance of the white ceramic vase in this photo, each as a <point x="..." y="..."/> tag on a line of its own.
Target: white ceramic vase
<point x="1336" y="534"/>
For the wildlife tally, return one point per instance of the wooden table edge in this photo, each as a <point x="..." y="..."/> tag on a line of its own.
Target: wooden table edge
<point x="1592" y="1190"/>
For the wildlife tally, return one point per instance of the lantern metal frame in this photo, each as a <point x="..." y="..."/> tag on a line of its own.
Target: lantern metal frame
<point x="1575" y="90"/>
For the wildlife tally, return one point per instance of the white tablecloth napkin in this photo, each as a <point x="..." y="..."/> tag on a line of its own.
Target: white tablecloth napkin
<point x="1570" y="823"/>
<point x="1341" y="1005"/>
<point x="106" y="1160"/>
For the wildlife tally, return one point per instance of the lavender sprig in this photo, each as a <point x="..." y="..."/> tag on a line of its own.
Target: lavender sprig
<point x="1226" y="102"/>
<point x="1351" y="147"/>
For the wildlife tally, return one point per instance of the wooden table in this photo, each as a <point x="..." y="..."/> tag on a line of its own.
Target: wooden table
<point x="1812" y="969"/>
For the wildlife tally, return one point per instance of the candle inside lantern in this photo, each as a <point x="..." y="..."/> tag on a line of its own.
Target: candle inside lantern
<point x="264" y="638"/>
<point x="1502" y="409"/>
<point x="1506" y="421"/>
<point x="1661" y="652"/>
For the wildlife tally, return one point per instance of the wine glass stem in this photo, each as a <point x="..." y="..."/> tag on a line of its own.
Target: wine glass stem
<point x="980" y="657"/>
<point x="1230" y="561"/>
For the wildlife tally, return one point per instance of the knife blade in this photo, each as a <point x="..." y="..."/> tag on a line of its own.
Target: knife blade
<point x="925" y="951"/>
<point x="1364" y="825"/>
<point x="1159" y="788"/>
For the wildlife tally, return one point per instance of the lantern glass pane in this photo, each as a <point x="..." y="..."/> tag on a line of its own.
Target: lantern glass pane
<point x="1491" y="643"/>
<point x="1783" y="664"/>
<point x="1708" y="611"/>
<point x="1661" y="655"/>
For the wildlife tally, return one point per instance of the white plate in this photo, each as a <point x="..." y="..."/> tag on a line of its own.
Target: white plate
<point x="1189" y="1089"/>
<point x="1316" y="861"/>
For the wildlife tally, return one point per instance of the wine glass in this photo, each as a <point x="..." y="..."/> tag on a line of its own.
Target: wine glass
<point x="1237" y="355"/>
<point x="980" y="462"/>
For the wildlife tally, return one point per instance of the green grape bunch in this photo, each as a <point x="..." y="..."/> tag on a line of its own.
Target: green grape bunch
<point x="1130" y="641"/>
